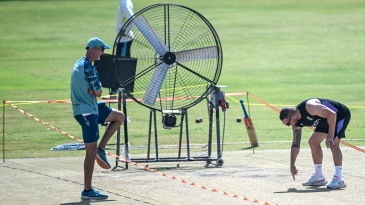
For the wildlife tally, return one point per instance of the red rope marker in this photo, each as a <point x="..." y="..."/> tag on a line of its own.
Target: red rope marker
<point x="45" y="123"/>
<point x="134" y="163"/>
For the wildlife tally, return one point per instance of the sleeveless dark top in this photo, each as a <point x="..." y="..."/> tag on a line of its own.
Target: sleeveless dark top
<point x="313" y="120"/>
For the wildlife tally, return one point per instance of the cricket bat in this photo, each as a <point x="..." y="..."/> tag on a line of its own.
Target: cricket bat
<point x="249" y="127"/>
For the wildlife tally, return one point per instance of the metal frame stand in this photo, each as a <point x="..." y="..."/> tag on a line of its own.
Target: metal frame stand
<point x="157" y="158"/>
<point x="213" y="105"/>
<point x="122" y="99"/>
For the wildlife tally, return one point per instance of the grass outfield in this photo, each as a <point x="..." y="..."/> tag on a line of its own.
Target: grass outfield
<point x="281" y="51"/>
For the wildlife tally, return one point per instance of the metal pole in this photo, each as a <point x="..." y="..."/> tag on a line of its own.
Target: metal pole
<point x="219" y="154"/>
<point x="210" y="131"/>
<point x="187" y="134"/>
<point x="181" y="132"/>
<point x="249" y="113"/>
<point x="248" y="103"/>
<point x="126" y="148"/>
<point x="149" y="136"/>
<point x="156" y="140"/>
<point x="4" y="131"/>
<point x="118" y="133"/>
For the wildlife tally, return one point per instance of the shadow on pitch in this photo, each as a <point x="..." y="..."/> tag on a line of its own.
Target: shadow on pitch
<point x="307" y="190"/>
<point x="86" y="202"/>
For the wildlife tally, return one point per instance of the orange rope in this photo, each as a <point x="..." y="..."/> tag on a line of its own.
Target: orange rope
<point x="45" y="123"/>
<point x="189" y="183"/>
<point x="136" y="164"/>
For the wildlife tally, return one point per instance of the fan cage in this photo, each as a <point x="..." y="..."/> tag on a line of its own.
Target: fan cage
<point x="179" y="30"/>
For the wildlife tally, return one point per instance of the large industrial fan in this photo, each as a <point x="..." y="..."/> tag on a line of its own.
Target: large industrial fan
<point x="178" y="53"/>
<point x="177" y="56"/>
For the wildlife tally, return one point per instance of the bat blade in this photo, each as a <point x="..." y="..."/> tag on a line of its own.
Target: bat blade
<point x="248" y="122"/>
<point x="252" y="133"/>
<point x="249" y="127"/>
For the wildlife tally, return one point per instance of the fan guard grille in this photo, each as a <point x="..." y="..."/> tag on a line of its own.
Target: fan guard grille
<point x="175" y="45"/>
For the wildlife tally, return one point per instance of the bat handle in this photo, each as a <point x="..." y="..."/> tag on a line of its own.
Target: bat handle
<point x="244" y="109"/>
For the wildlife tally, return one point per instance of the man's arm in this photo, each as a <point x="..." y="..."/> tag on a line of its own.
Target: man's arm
<point x="294" y="151"/>
<point x="92" y="77"/>
<point x="314" y="107"/>
<point x="97" y="93"/>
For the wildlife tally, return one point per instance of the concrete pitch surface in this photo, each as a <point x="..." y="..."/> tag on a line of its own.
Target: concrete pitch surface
<point x="259" y="178"/>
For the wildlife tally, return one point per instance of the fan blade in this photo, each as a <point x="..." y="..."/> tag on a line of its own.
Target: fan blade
<point x="196" y="54"/>
<point x="155" y="84"/>
<point x="149" y="33"/>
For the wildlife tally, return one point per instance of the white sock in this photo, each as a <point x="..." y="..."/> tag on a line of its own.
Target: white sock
<point x="318" y="171"/>
<point x="338" y="172"/>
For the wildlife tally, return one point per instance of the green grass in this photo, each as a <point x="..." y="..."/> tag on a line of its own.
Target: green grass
<point x="281" y="51"/>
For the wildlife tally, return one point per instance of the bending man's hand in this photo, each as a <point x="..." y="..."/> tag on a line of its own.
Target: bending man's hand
<point x="330" y="140"/>
<point x="293" y="171"/>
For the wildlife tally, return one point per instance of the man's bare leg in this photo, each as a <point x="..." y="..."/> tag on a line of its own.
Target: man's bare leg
<point x="91" y="150"/>
<point x="115" y="119"/>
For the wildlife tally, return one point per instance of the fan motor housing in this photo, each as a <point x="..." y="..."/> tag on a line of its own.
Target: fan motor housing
<point x="169" y="120"/>
<point x="169" y="58"/>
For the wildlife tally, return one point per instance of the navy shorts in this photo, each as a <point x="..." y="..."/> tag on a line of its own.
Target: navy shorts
<point x="341" y="126"/>
<point x="90" y="123"/>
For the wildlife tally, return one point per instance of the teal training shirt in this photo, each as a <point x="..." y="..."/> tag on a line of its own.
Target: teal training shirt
<point x="84" y="76"/>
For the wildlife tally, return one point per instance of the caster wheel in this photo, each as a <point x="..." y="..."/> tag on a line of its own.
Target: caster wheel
<point x="220" y="162"/>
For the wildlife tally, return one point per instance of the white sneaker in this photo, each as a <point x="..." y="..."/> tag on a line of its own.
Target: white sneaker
<point x="337" y="183"/>
<point x="313" y="181"/>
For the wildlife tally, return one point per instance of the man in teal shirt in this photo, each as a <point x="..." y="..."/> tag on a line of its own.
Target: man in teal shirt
<point x="85" y="88"/>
